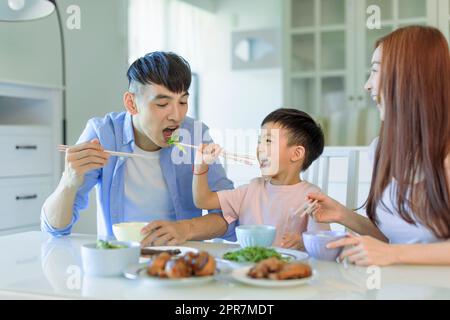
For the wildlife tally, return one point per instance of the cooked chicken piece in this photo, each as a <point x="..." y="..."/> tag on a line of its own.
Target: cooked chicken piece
<point x="157" y="265"/>
<point x="202" y="263"/>
<point x="265" y="267"/>
<point x="178" y="268"/>
<point x="294" y="271"/>
<point x="276" y="269"/>
<point x="205" y="265"/>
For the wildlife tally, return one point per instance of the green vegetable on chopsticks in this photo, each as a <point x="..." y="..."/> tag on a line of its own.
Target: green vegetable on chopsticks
<point x="253" y="254"/>
<point x="174" y="140"/>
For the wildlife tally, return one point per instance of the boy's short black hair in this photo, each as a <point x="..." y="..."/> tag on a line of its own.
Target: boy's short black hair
<point x="163" y="68"/>
<point x="303" y="131"/>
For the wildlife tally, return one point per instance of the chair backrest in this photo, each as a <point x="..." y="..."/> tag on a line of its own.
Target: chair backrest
<point x="319" y="172"/>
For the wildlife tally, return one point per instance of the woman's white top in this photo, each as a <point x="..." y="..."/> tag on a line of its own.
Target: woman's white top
<point x="147" y="197"/>
<point x="391" y="223"/>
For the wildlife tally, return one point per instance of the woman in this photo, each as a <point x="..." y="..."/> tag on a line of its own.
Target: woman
<point x="409" y="199"/>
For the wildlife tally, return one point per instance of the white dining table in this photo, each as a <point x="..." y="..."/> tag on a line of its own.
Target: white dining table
<point x="34" y="265"/>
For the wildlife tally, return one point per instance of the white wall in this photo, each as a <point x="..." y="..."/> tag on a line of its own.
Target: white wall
<point x="96" y="64"/>
<point x="97" y="61"/>
<point x="238" y="99"/>
<point x="30" y="52"/>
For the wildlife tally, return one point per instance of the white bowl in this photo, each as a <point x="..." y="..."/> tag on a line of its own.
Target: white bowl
<point x="109" y="262"/>
<point x="255" y="235"/>
<point x="128" y="231"/>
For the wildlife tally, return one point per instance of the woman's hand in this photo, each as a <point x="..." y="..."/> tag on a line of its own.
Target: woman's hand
<point x="365" y="251"/>
<point x="327" y="210"/>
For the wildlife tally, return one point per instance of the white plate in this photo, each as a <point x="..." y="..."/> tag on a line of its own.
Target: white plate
<point x="240" y="275"/>
<point x="139" y="272"/>
<point x="294" y="255"/>
<point x="183" y="250"/>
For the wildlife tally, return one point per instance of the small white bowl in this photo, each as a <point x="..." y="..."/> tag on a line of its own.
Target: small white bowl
<point x="129" y="231"/>
<point x="109" y="262"/>
<point x="255" y="235"/>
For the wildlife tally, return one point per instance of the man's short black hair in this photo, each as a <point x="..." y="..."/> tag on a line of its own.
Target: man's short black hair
<point x="162" y="68"/>
<point x="303" y="131"/>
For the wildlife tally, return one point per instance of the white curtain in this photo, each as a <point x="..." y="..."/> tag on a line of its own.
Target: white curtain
<point x="169" y="25"/>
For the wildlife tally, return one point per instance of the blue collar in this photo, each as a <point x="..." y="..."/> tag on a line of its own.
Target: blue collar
<point x="128" y="133"/>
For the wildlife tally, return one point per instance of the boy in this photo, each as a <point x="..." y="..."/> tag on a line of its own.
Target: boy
<point x="289" y="143"/>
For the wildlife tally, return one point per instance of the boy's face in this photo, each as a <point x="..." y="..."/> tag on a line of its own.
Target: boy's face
<point x="274" y="154"/>
<point x="159" y="112"/>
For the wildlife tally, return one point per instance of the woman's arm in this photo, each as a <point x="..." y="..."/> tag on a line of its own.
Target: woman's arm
<point x="329" y="210"/>
<point x="366" y="251"/>
<point x="361" y="225"/>
<point x="431" y="254"/>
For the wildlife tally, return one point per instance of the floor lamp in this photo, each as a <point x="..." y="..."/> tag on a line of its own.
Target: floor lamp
<point x="27" y="10"/>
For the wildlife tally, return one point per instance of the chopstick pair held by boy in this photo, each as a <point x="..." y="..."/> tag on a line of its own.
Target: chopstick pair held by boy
<point x="290" y="141"/>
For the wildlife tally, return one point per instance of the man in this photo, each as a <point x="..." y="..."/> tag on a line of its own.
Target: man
<point x="156" y="189"/>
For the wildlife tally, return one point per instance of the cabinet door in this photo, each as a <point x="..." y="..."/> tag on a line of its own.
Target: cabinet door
<point x="319" y="49"/>
<point x="444" y="17"/>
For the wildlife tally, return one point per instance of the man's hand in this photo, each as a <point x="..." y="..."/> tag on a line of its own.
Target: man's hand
<point x="160" y="233"/>
<point x="82" y="158"/>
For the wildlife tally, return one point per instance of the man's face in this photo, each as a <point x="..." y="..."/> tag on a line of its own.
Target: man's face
<point x="159" y="112"/>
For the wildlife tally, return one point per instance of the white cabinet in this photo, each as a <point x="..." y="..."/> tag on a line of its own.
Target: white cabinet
<point x="444" y="17"/>
<point x="30" y="166"/>
<point x="21" y="200"/>
<point x="327" y="51"/>
<point x="27" y="151"/>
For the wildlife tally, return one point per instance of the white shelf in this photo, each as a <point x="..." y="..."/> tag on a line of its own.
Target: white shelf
<point x="328" y="47"/>
<point x="320" y="74"/>
<point x="30" y="130"/>
<point x="307" y="30"/>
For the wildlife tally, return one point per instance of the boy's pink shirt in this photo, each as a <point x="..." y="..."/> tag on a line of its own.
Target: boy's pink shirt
<point x="261" y="202"/>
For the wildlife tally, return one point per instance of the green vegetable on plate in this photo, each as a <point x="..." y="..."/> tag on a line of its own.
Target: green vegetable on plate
<point x="253" y="254"/>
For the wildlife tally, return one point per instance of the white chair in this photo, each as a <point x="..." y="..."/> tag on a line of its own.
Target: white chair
<point x="319" y="172"/>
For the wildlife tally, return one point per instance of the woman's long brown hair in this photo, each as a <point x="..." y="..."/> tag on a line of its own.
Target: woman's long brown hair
<point x="415" y="134"/>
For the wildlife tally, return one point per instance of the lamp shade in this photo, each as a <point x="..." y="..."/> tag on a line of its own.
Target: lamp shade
<point x="24" y="10"/>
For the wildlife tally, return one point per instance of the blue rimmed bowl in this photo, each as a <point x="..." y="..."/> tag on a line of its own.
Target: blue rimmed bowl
<point x="255" y="235"/>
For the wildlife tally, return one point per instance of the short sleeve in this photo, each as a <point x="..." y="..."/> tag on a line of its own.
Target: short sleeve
<point x="230" y="202"/>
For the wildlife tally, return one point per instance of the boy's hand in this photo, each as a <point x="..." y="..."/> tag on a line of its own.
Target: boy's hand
<point x="292" y="241"/>
<point x="207" y="154"/>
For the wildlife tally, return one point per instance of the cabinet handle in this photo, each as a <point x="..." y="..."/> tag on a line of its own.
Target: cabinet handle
<point x="351" y="98"/>
<point x="26" y="147"/>
<point x="27" y="197"/>
<point x="360" y="98"/>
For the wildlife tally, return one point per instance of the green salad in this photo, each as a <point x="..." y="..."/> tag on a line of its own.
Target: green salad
<point x="253" y="254"/>
<point x="102" y="244"/>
